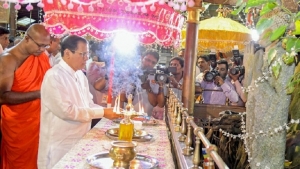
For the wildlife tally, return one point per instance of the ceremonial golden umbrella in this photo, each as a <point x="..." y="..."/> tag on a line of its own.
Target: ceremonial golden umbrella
<point x="221" y="34"/>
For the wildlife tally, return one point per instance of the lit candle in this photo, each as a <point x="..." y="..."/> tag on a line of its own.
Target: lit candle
<point x="115" y="106"/>
<point x="143" y="111"/>
<point x="140" y="109"/>
<point x="118" y="104"/>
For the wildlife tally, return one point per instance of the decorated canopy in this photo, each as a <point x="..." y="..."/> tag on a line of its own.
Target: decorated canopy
<point x="101" y="19"/>
<point x="221" y="34"/>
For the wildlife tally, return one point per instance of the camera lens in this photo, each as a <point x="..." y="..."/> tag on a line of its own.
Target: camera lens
<point x="161" y="78"/>
<point x="234" y="71"/>
<point x="209" y="77"/>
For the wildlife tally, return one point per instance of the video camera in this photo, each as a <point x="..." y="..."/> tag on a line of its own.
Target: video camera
<point x="237" y="69"/>
<point x="210" y="76"/>
<point x="161" y="74"/>
<point x="238" y="61"/>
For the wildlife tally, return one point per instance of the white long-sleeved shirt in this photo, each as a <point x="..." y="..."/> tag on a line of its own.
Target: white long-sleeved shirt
<point x="53" y="60"/>
<point x="66" y="112"/>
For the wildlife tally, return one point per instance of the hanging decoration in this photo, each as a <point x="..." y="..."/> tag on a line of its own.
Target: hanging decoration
<point x="144" y="5"/>
<point x="150" y="24"/>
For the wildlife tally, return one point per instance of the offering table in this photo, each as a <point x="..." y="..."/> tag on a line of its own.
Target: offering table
<point x="95" y="141"/>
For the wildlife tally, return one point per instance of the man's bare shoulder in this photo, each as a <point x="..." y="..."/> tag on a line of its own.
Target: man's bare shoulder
<point x="8" y="59"/>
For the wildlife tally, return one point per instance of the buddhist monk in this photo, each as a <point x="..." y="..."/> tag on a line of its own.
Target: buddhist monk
<point x="22" y="69"/>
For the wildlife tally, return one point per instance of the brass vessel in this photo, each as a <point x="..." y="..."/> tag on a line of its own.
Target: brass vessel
<point x="122" y="152"/>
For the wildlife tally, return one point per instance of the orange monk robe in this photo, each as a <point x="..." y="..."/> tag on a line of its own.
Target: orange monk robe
<point x="21" y="123"/>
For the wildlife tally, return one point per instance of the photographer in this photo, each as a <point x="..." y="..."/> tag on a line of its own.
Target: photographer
<point x="150" y="94"/>
<point x="203" y="63"/>
<point x="176" y="79"/>
<point x="236" y="74"/>
<point x="216" y="87"/>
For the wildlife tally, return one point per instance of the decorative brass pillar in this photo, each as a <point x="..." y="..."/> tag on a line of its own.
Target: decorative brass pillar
<point x="190" y="56"/>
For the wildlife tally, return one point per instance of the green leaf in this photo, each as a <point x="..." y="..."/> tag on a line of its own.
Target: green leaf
<point x="288" y="59"/>
<point x="263" y="24"/>
<point x="271" y="55"/>
<point x="278" y="32"/>
<point x="253" y="3"/>
<point x="291" y="43"/>
<point x="276" y="69"/>
<point x="237" y="11"/>
<point x="267" y="34"/>
<point x="297" y="45"/>
<point x="290" y="89"/>
<point x="239" y="2"/>
<point x="268" y="7"/>
<point x="297" y="17"/>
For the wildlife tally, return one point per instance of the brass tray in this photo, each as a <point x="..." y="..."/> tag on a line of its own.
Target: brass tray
<point x="147" y="121"/>
<point x="103" y="161"/>
<point x="139" y="135"/>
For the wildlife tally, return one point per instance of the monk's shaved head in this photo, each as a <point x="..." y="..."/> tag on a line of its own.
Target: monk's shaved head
<point x="36" y="30"/>
<point x="37" y="39"/>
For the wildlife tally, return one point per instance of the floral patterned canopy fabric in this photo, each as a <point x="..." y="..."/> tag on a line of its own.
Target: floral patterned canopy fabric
<point x="150" y="24"/>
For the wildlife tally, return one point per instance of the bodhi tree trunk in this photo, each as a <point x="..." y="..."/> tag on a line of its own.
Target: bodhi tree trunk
<point x="267" y="110"/>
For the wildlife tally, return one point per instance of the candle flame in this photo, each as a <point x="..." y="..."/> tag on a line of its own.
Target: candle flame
<point x="143" y="112"/>
<point x="141" y="109"/>
<point x="117" y="105"/>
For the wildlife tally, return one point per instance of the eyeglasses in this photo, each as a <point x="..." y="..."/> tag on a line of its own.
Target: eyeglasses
<point x="39" y="45"/>
<point x="83" y="54"/>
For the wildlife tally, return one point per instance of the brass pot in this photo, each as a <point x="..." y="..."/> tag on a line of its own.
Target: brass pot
<point x="122" y="152"/>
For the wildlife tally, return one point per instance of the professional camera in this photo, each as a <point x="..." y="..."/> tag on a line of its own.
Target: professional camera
<point x="237" y="58"/>
<point x="237" y="69"/>
<point x="238" y="61"/>
<point x="210" y="76"/>
<point x="161" y="74"/>
<point x="213" y="60"/>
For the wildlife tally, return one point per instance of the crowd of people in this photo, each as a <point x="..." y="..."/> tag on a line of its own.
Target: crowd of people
<point x="46" y="105"/>
<point x="216" y="84"/>
<point x="48" y="101"/>
<point x="50" y="98"/>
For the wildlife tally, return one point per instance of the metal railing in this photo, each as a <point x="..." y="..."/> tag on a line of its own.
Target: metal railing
<point x="184" y="123"/>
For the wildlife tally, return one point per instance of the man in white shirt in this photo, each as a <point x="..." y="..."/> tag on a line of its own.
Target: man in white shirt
<point x="4" y="38"/>
<point x="67" y="107"/>
<point x="203" y="63"/>
<point x="53" y="51"/>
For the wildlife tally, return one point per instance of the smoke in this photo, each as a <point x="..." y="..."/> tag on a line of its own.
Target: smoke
<point x="125" y="67"/>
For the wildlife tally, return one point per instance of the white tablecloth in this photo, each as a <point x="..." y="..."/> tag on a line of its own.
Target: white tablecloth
<point x="95" y="142"/>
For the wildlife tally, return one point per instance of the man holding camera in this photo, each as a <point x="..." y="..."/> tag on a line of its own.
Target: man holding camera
<point x="203" y="63"/>
<point x="216" y="87"/>
<point x="236" y="74"/>
<point x="176" y="80"/>
<point x="151" y="93"/>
